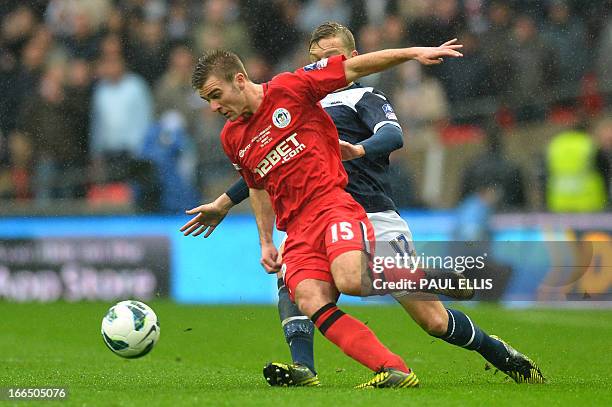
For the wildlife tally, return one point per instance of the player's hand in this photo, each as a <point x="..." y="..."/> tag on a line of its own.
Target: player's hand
<point x="207" y="217"/>
<point x="351" y="151"/>
<point x="270" y="259"/>
<point x="436" y="55"/>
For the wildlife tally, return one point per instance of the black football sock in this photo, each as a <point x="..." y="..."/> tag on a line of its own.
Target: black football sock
<point x="463" y="332"/>
<point x="298" y="329"/>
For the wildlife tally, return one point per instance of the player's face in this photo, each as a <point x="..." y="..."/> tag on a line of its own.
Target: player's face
<point x="225" y="98"/>
<point x="328" y="47"/>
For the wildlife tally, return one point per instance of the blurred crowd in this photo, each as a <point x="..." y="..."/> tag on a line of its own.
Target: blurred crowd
<point x="96" y="101"/>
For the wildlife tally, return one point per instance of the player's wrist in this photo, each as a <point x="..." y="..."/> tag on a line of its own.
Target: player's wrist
<point x="360" y="149"/>
<point x="266" y="241"/>
<point x="415" y="52"/>
<point x="224" y="202"/>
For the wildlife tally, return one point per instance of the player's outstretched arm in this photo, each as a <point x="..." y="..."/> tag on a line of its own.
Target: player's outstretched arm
<point x="207" y="217"/>
<point x="377" y="61"/>
<point x="264" y="215"/>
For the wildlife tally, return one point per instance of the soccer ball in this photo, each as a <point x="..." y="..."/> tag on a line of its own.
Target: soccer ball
<point x="130" y="329"/>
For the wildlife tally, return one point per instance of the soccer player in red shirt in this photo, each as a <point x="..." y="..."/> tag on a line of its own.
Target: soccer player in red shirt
<point x="350" y="108"/>
<point x="286" y="148"/>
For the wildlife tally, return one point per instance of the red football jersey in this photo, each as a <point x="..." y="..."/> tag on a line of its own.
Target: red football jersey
<point x="289" y="146"/>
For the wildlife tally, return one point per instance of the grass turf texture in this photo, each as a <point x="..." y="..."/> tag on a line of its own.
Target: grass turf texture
<point x="214" y="355"/>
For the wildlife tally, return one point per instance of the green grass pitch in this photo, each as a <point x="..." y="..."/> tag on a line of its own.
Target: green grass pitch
<point x="213" y="356"/>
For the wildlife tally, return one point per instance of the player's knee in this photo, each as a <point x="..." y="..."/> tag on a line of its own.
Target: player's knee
<point x="436" y="324"/>
<point x="347" y="285"/>
<point x="347" y="270"/>
<point x="310" y="298"/>
<point x="308" y="306"/>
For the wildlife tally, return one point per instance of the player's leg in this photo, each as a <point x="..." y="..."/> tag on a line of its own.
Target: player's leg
<point x="456" y="328"/>
<point x="450" y="325"/>
<point x="299" y="334"/>
<point x="298" y="328"/>
<point x="317" y="300"/>
<point x="347" y="244"/>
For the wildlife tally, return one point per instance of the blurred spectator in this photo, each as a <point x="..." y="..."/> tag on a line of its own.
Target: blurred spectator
<point x="441" y="21"/>
<point x="8" y="89"/>
<point x="17" y="28"/>
<point x="15" y="179"/>
<point x="258" y="69"/>
<point x="214" y="170"/>
<point x="174" y="92"/>
<point x="115" y="23"/>
<point x="3" y="150"/>
<point x="473" y="225"/>
<point x="154" y="10"/>
<point x="474" y="213"/>
<point x="492" y="169"/>
<point x="178" y="25"/>
<point x="536" y="9"/>
<point x="466" y="80"/>
<point x="603" y="137"/>
<point x="575" y="173"/>
<point x="112" y="47"/>
<point x="511" y="64"/>
<point x="84" y="40"/>
<point x="475" y="16"/>
<point x="495" y="43"/>
<point x="148" y="53"/>
<point x="168" y="146"/>
<point x="368" y="40"/>
<point x="374" y="12"/>
<point x="419" y="100"/>
<point x="47" y="119"/>
<point x="604" y="61"/>
<point x="393" y="36"/>
<point x="272" y="29"/>
<point x="530" y="78"/>
<point x="21" y="59"/>
<point x="401" y="180"/>
<point x="122" y="111"/>
<point x="220" y="28"/>
<point x="566" y="37"/>
<point x="63" y="17"/>
<point x="78" y="91"/>
<point x="317" y="11"/>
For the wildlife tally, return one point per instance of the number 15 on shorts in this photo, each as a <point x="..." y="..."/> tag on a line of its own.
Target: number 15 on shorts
<point x="341" y="230"/>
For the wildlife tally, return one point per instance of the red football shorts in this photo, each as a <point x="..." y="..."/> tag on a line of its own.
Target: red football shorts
<point x="315" y="240"/>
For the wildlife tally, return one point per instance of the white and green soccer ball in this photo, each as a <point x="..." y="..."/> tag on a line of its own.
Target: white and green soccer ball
<point x="130" y="329"/>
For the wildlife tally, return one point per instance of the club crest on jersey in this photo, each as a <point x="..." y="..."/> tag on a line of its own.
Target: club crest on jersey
<point x="281" y="118"/>
<point x="389" y="113"/>
<point x="316" y="65"/>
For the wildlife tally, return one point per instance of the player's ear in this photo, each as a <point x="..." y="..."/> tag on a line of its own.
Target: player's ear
<point x="354" y="53"/>
<point x="240" y="80"/>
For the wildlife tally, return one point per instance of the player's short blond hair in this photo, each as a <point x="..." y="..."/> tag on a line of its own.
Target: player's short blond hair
<point x="221" y="63"/>
<point x="331" y="29"/>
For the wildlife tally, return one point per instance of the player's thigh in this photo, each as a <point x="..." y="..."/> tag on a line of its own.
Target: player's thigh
<point x="350" y="272"/>
<point x="311" y="295"/>
<point x="427" y="311"/>
<point x="392" y="234"/>
<point x="348" y="240"/>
